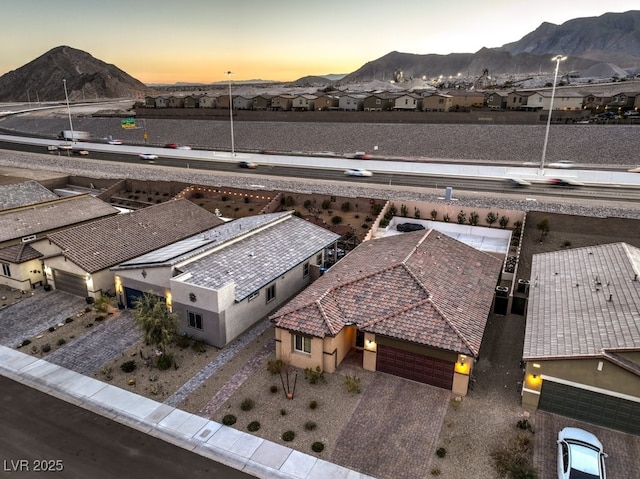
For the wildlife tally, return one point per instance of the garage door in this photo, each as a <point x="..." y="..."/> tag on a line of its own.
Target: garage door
<point x="416" y="367"/>
<point x="131" y="295"/>
<point x="589" y="406"/>
<point x="70" y="283"/>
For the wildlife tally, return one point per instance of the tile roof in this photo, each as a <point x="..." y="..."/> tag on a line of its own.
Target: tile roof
<point x="255" y="260"/>
<point x="583" y="301"/>
<point x="423" y="287"/>
<point x="51" y="215"/>
<point x="19" y="253"/>
<point x="25" y="193"/>
<point x="107" y="242"/>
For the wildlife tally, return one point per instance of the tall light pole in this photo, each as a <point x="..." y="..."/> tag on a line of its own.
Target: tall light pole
<point x="557" y="59"/>
<point x="64" y="82"/>
<point x="233" y="149"/>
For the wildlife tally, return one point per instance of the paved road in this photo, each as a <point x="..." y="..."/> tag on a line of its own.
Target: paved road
<point x="37" y="427"/>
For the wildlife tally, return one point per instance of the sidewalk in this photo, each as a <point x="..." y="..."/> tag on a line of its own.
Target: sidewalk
<point x="229" y="446"/>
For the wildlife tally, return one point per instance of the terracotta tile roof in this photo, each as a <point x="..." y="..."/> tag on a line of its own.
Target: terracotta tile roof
<point x="51" y="215"/>
<point x="19" y="253"/>
<point x="105" y="243"/>
<point x="423" y="287"/>
<point x="583" y="301"/>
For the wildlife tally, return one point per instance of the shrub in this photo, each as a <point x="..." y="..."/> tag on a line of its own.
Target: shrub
<point x="446" y="218"/>
<point x="247" y="404"/>
<point x="288" y="436"/>
<point x="52" y="329"/>
<point x="283" y="412"/>
<point x="315" y="376"/>
<point x="45" y="348"/>
<point x="128" y="366"/>
<point x="346" y="206"/>
<point x="275" y="366"/>
<point x="61" y="341"/>
<point x="462" y="217"/>
<point x="514" y="458"/>
<point x="68" y="320"/>
<point x="474" y="218"/>
<point x="524" y="424"/>
<point x="566" y="243"/>
<point x="253" y="426"/>
<point x="165" y="361"/>
<point x="353" y="384"/>
<point x="182" y="341"/>
<point x="199" y="346"/>
<point x="336" y="220"/>
<point x="404" y="210"/>
<point x="317" y="446"/>
<point x="310" y="425"/>
<point x="384" y="222"/>
<point x="326" y="204"/>
<point x="288" y="201"/>
<point x="491" y="218"/>
<point x="273" y="389"/>
<point x="416" y="213"/>
<point x="25" y="342"/>
<point x="313" y="404"/>
<point x="436" y="471"/>
<point x="307" y="204"/>
<point x="434" y="214"/>
<point x="441" y="452"/>
<point x="99" y="318"/>
<point x="229" y="420"/>
<point x="87" y="309"/>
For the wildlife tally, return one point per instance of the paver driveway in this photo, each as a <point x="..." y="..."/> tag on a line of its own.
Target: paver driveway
<point x="35" y="314"/>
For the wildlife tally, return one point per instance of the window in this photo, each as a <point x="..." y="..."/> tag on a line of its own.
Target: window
<point x="305" y="270"/>
<point x="195" y="320"/>
<point x="271" y="293"/>
<point x="302" y="344"/>
<point x="319" y="259"/>
<point x="6" y="271"/>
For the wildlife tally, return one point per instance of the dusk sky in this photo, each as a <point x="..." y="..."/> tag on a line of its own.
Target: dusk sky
<point x="168" y="41"/>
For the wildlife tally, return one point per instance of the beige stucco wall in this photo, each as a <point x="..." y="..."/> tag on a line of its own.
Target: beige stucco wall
<point x="24" y="276"/>
<point x="285" y="351"/>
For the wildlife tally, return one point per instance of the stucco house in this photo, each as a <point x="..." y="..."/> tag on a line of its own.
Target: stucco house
<point x="78" y="260"/>
<point x="496" y="100"/>
<point x="223" y="280"/>
<point x="29" y="213"/>
<point x="282" y="102"/>
<point x="305" y="102"/>
<point x="351" y="101"/>
<point x="518" y="100"/>
<point x="437" y="102"/>
<point x="415" y="304"/>
<point x="407" y="102"/>
<point x="465" y="99"/>
<point x="379" y="101"/>
<point x="541" y="100"/>
<point x="327" y="102"/>
<point x="582" y="338"/>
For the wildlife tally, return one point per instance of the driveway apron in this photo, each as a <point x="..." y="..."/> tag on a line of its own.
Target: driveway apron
<point x="35" y="314"/>
<point x="402" y="445"/>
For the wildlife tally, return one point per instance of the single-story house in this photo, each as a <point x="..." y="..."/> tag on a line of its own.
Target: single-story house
<point x="78" y="260"/>
<point x="416" y="304"/>
<point x="21" y="227"/>
<point x="582" y="338"/>
<point x="223" y="280"/>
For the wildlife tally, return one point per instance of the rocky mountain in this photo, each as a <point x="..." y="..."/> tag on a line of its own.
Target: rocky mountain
<point x="612" y="38"/>
<point x="86" y="78"/>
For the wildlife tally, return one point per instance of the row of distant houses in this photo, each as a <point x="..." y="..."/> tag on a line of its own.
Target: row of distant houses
<point x="452" y="100"/>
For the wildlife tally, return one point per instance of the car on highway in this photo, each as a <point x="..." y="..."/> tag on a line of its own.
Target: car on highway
<point x="357" y="172"/>
<point x="580" y="455"/>
<point x="562" y="164"/>
<point x="406" y="227"/>
<point x="517" y="182"/>
<point x="184" y="147"/>
<point x="247" y="164"/>
<point x="562" y="182"/>
<point x="148" y="156"/>
<point x="634" y="170"/>
<point x="361" y="155"/>
<point x="171" y="145"/>
<point x="80" y="152"/>
<point x="115" y="142"/>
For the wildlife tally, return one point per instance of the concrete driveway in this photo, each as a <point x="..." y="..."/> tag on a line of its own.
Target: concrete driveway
<point x="402" y="446"/>
<point x="36" y="313"/>
<point x="623" y="449"/>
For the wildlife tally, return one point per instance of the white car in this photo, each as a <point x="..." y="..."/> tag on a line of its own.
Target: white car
<point x="148" y="156"/>
<point x="357" y="172"/>
<point x="562" y="164"/>
<point x="580" y="455"/>
<point x="183" y="147"/>
<point x="115" y="142"/>
<point x="634" y="170"/>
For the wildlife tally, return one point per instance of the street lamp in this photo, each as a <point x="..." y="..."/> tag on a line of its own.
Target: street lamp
<point x="233" y="151"/>
<point x="557" y="59"/>
<point x="64" y="82"/>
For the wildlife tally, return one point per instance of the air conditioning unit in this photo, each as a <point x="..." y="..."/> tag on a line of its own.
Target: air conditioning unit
<point x="523" y="286"/>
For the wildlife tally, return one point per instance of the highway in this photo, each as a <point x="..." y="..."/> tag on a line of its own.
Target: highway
<point x="606" y="185"/>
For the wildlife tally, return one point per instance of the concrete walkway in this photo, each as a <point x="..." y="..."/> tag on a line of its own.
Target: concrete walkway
<point x="229" y="446"/>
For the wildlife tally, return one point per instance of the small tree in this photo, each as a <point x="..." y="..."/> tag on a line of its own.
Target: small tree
<point x="346" y="206"/>
<point x="491" y="218"/>
<point x="404" y="211"/>
<point x="543" y="227"/>
<point x="503" y="221"/>
<point x="446" y="218"/>
<point x="462" y="217"/>
<point x="416" y="213"/>
<point x="434" y="215"/>
<point x="474" y="218"/>
<point x="154" y="319"/>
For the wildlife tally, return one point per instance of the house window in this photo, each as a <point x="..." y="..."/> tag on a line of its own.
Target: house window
<point x="377" y="101"/>
<point x="305" y="270"/>
<point x="271" y="293"/>
<point x="195" y="320"/>
<point x="253" y="296"/>
<point x="319" y="259"/>
<point x="6" y="271"/>
<point x="302" y="344"/>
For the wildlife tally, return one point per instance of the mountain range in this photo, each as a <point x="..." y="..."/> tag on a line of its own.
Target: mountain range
<point x="607" y="46"/>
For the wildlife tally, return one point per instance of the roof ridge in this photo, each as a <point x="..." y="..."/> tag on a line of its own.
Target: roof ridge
<point x="621" y="361"/>
<point x="398" y="312"/>
<point x="455" y="329"/>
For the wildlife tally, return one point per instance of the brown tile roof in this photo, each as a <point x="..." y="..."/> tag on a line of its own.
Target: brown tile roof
<point x="423" y="287"/>
<point x="583" y="301"/>
<point x="51" y="215"/>
<point x="105" y="243"/>
<point x="19" y="253"/>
